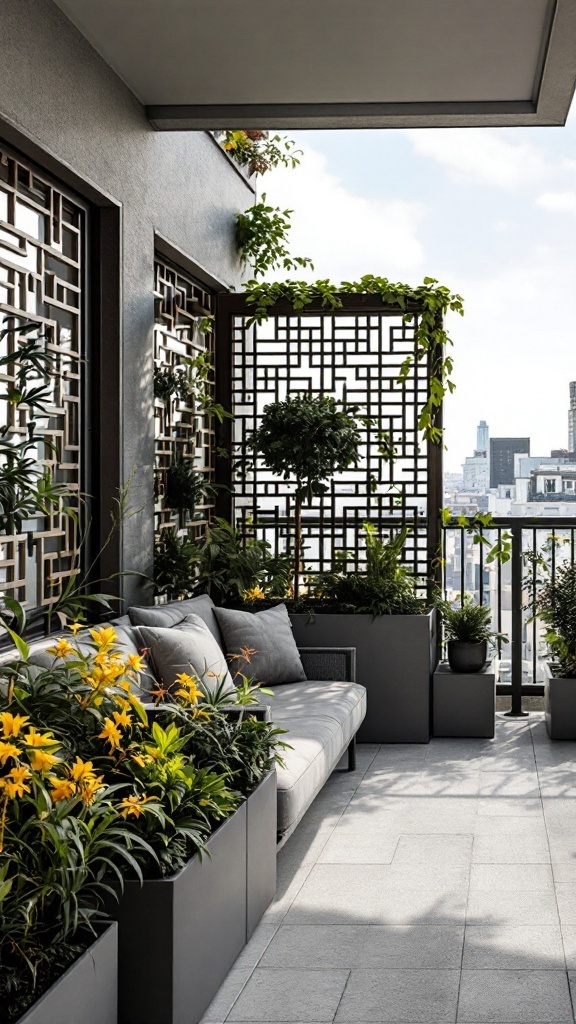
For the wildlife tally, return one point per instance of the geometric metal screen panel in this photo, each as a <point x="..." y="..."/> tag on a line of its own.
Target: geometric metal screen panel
<point x="42" y="276"/>
<point x="356" y="358"/>
<point x="183" y="433"/>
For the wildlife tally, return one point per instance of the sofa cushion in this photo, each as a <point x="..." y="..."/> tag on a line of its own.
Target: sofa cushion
<point x="171" y="614"/>
<point x="321" y="719"/>
<point x="188" y="647"/>
<point x="269" y="634"/>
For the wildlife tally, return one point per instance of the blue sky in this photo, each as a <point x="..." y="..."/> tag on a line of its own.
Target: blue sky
<point x="489" y="212"/>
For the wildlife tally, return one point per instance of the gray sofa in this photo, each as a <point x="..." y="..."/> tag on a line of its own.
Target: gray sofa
<point x="321" y="715"/>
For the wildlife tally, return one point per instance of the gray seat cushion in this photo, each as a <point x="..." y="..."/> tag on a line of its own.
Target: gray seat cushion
<point x="171" y="614"/>
<point x="321" y="719"/>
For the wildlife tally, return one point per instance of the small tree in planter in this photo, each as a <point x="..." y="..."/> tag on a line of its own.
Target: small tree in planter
<point x="307" y="438"/>
<point x="555" y="605"/>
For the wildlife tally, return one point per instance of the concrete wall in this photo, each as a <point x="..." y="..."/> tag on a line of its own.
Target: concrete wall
<point x="63" y="106"/>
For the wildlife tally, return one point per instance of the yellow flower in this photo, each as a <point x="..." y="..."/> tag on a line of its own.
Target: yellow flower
<point x="136" y="662"/>
<point x="103" y="637"/>
<point x="198" y="713"/>
<point x="82" y="770"/>
<point x="62" y="649"/>
<point x="141" y="759"/>
<point x="8" y="750"/>
<point x="42" y="761"/>
<point x="74" y="627"/>
<point x="91" y="788"/>
<point x="134" y="805"/>
<point x="12" y="724"/>
<point x="15" y="782"/>
<point x="189" y="690"/>
<point x="122" y="718"/>
<point x="61" y="789"/>
<point x="254" y="594"/>
<point x="33" y="738"/>
<point x="111" y="733"/>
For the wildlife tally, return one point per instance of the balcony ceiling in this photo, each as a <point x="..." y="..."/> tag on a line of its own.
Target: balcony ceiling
<point x="206" y="64"/>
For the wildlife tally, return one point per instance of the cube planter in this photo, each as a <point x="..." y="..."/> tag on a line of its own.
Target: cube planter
<point x="464" y="703"/>
<point x="395" y="658"/>
<point x="261" y="819"/>
<point x="559" y="705"/>
<point x="87" y="993"/>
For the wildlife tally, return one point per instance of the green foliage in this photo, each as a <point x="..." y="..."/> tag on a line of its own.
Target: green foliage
<point x="191" y="382"/>
<point x="262" y="239"/>
<point x="175" y="565"/>
<point x="186" y="487"/>
<point x="469" y="623"/>
<point x="429" y="301"/>
<point x="241" y="568"/>
<point x="259" y="153"/>
<point x="384" y="588"/>
<point x="500" y="551"/>
<point x="556" y="606"/>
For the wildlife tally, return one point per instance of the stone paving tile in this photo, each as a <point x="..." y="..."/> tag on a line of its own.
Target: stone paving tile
<point x="367" y="946"/>
<point x="504" y="825"/>
<point x="511" y="849"/>
<point x="285" y="995"/>
<point x="517" y="997"/>
<point x="528" y="877"/>
<point x="523" y="948"/>
<point x="429" y="849"/>
<point x="399" y="995"/>
<point x="345" y="846"/>
<point x="227" y="995"/>
<point x="506" y="908"/>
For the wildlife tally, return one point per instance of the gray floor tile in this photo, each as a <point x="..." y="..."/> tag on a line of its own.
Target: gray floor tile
<point x="519" y="806"/>
<point x="431" y="849"/>
<point x="566" y="898"/>
<point x="400" y="996"/>
<point x="526" y="849"/>
<point x="528" y="877"/>
<point x="227" y="995"/>
<point x="347" y="846"/>
<point x="284" y="995"/>
<point x="569" y="940"/>
<point x="252" y="953"/>
<point x="506" y="784"/>
<point x="517" y="997"/>
<point x="504" y="825"/>
<point x="371" y="946"/>
<point x="504" y="948"/>
<point x="511" y="908"/>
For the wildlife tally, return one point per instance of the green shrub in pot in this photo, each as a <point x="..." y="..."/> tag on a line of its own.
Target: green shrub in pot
<point x="556" y="607"/>
<point x="468" y="632"/>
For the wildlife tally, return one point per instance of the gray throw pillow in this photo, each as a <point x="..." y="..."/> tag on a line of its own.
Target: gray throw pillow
<point x="269" y="634"/>
<point x="186" y="647"/>
<point x="175" y="611"/>
<point x="127" y="642"/>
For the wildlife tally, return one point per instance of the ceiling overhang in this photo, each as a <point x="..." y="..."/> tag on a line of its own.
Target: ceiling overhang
<point x="209" y="64"/>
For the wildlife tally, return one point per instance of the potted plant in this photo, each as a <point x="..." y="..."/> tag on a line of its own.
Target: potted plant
<point x="468" y="633"/>
<point x="556" y="607"/>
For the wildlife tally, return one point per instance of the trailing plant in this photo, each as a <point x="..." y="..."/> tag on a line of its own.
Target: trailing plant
<point x="429" y="302"/>
<point x="168" y="382"/>
<point x="262" y="239"/>
<point x="468" y="622"/>
<point x="306" y="438"/>
<point x="259" y="153"/>
<point x="385" y="587"/>
<point x="555" y="605"/>
<point x="191" y="381"/>
<point x="500" y="551"/>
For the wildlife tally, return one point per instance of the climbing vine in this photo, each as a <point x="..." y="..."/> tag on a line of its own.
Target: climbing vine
<point x="429" y="302"/>
<point x="262" y="239"/>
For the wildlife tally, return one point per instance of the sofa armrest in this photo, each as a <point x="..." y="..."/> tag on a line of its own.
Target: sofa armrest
<point x="327" y="663"/>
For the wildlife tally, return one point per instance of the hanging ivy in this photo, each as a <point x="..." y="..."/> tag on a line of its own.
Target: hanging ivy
<point x="429" y="301"/>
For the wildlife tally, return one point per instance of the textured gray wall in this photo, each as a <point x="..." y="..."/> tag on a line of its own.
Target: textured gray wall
<point x="62" y="97"/>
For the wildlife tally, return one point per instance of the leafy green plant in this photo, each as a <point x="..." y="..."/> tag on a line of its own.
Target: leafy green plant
<point x="262" y="239"/>
<point x="306" y="438"/>
<point x="500" y="551"/>
<point x="175" y="565"/>
<point x="169" y="382"/>
<point x="555" y="605"/>
<point x="428" y="302"/>
<point x="259" y="153"/>
<point x="384" y="588"/>
<point x="186" y="487"/>
<point x="468" y="622"/>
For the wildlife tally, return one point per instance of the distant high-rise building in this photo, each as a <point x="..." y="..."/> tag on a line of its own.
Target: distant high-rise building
<point x="482" y="437"/>
<point x="572" y="418"/>
<point x="502" y="452"/>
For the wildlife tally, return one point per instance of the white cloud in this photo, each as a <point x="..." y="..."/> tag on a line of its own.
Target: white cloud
<point x="558" y="202"/>
<point x="345" y="234"/>
<point x="482" y="155"/>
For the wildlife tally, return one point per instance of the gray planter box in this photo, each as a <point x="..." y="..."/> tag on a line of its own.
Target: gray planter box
<point x="87" y="993"/>
<point x="464" y="703"/>
<point x="261" y="819"/>
<point x="559" y="705"/>
<point x="395" y="658"/>
<point x="180" y="936"/>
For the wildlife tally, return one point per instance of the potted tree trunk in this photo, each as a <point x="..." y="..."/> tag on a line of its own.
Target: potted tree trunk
<point x="556" y="607"/>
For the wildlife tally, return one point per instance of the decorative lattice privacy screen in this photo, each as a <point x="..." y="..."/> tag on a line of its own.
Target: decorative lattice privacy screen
<point x="355" y="357"/>
<point x="184" y="434"/>
<point x="42" y="244"/>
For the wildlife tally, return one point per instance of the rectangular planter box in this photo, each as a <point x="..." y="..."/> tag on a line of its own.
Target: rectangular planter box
<point x="559" y="705"/>
<point x="261" y="821"/>
<point x="87" y="993"/>
<point x="180" y="936"/>
<point x="464" y="703"/>
<point x="395" y="658"/>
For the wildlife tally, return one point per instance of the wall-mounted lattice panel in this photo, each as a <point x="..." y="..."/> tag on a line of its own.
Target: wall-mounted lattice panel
<point x="356" y="358"/>
<point x="42" y="244"/>
<point x="183" y="433"/>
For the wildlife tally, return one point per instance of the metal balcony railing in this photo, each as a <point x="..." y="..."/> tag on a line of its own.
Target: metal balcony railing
<point x="537" y="546"/>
